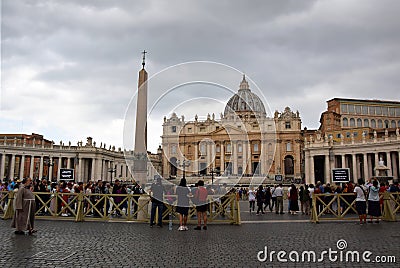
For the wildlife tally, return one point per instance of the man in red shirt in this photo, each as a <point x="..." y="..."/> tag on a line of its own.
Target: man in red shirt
<point x="201" y="206"/>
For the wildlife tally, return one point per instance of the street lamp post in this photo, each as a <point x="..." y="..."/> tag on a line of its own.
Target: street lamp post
<point x="212" y="175"/>
<point x="184" y="164"/>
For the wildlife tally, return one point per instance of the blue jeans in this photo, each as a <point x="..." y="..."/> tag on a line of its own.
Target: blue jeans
<point x="160" y="207"/>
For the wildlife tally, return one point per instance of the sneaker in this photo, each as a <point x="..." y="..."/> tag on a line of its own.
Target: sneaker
<point x="185" y="228"/>
<point x="198" y="228"/>
<point x="181" y="228"/>
<point x="204" y="227"/>
<point x="258" y="214"/>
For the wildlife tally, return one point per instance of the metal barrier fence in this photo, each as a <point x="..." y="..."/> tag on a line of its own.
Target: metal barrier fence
<point x="328" y="207"/>
<point x="118" y="207"/>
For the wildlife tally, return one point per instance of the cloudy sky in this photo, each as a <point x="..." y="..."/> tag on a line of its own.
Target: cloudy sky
<point x="69" y="68"/>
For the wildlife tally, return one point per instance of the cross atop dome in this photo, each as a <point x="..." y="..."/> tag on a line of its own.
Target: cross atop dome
<point x="244" y="85"/>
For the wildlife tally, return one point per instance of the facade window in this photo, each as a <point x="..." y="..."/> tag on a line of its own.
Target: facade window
<point x="358" y="109"/>
<point x="359" y="122"/>
<point x="189" y="130"/>
<point x="173" y="129"/>
<point x="343" y="108"/>
<point x="173" y="149"/>
<point x="338" y="135"/>
<point x="218" y="148"/>
<point x="378" y="110"/>
<point x="255" y="147"/>
<point x="365" y="110"/>
<point x="351" y="109"/>
<point x="386" y="123"/>
<point x="385" y="110"/>
<point x="203" y="149"/>
<point x="288" y="147"/>
<point x="202" y="129"/>
<point x="393" y="124"/>
<point x="269" y="148"/>
<point x="345" y="122"/>
<point x="398" y="123"/>
<point x="287" y="125"/>
<point x="189" y="149"/>
<point x="352" y="122"/>
<point x="355" y="134"/>
<point x="240" y="149"/>
<point x="372" y="110"/>
<point x="366" y="123"/>
<point x="373" y="123"/>
<point x="380" y="123"/>
<point x="397" y="111"/>
<point x="392" y="111"/>
<point x="228" y="148"/>
<point x="348" y="134"/>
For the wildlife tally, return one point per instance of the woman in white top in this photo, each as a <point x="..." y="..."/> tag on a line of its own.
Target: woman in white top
<point x="374" y="209"/>
<point x="361" y="204"/>
<point x="252" y="198"/>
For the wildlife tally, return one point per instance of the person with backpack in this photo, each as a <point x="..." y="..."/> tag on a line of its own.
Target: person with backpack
<point x="361" y="203"/>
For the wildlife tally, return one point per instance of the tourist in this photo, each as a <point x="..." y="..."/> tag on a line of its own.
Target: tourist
<point x="201" y="206"/>
<point x="157" y="198"/>
<point x="293" y="197"/>
<point x="260" y="197"/>
<point x="182" y="191"/>
<point x="374" y="209"/>
<point x="279" y="199"/>
<point x="361" y="204"/>
<point x="252" y="198"/>
<point x="267" y="202"/>
<point x="24" y="215"/>
<point x="273" y="199"/>
<point x="306" y="200"/>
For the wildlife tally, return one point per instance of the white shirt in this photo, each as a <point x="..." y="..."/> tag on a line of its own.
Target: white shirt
<point x="252" y="195"/>
<point x="373" y="193"/>
<point x="360" y="193"/>
<point x="279" y="191"/>
<point x="311" y="190"/>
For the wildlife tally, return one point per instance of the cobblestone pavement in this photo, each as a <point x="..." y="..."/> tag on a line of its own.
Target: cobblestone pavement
<point x="95" y="244"/>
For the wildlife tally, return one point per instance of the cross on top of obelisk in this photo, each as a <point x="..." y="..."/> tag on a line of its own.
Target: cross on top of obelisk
<point x="144" y="58"/>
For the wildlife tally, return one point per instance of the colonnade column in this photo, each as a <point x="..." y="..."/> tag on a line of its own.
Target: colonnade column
<point x="343" y="157"/>
<point x="94" y="169"/>
<point x="327" y="169"/>
<point x="41" y="168"/>
<point x="31" y="166"/>
<point x="307" y="166"/>
<point x="12" y="166"/>
<point x="59" y="166"/>
<point x="365" y="165"/>
<point x="389" y="163"/>
<point x="312" y="171"/>
<point x="376" y="163"/>
<point x="3" y="165"/>
<point x="79" y="170"/>
<point x="51" y="168"/>
<point x="354" y="161"/>
<point x="395" y="167"/>
<point x="22" y="167"/>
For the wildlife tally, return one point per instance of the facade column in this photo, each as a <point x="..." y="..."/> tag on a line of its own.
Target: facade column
<point x="365" y="164"/>
<point x="244" y="156"/>
<point x="389" y="163"/>
<point x="394" y="165"/>
<point x="68" y="162"/>
<point x="194" y="162"/>
<point x="234" y="156"/>
<point x="12" y="166"/>
<point x="3" y="165"/>
<point x="41" y="168"/>
<point x="99" y="167"/>
<point x="327" y="170"/>
<point x="354" y="165"/>
<point x="263" y="158"/>
<point x="31" y="166"/>
<point x="249" y="155"/>
<point x="22" y="167"/>
<point x="222" y="167"/>
<point x="369" y="163"/>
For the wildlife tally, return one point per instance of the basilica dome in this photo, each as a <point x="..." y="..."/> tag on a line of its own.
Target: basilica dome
<point x="245" y="102"/>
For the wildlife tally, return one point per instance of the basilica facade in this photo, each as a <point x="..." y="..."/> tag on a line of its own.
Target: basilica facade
<point x="244" y="142"/>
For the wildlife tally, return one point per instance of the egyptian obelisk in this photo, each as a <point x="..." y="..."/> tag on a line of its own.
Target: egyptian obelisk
<point x="140" y="151"/>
